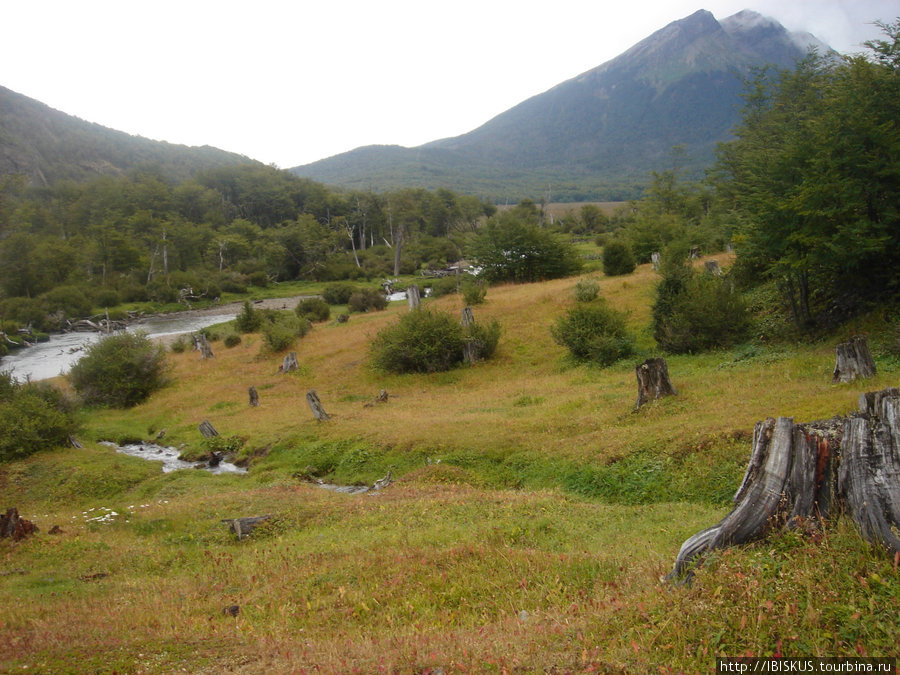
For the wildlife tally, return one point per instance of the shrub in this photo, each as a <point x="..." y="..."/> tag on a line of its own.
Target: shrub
<point x="617" y="259"/>
<point x="586" y="290"/>
<point x="249" y="320"/>
<point x="106" y="297"/>
<point x="697" y="312"/>
<point x="426" y="342"/>
<point x="33" y="417"/>
<point x="474" y="291"/>
<point x="232" y="340"/>
<point x="258" y="278"/>
<point x="180" y="345"/>
<point x="120" y="370"/>
<point x="283" y="329"/>
<point x="313" y="309"/>
<point x="594" y="332"/>
<point x="70" y="300"/>
<point x="367" y="299"/>
<point x="338" y="293"/>
<point x="443" y="286"/>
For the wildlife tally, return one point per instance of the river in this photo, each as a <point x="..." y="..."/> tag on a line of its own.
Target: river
<point x="56" y="356"/>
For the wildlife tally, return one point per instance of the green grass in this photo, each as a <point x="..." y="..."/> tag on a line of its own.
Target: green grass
<point x="532" y="517"/>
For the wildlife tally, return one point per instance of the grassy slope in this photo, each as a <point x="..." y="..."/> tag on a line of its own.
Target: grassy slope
<point x="537" y="542"/>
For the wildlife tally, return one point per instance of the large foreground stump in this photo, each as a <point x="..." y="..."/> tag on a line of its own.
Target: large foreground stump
<point x="852" y="360"/>
<point x="800" y="473"/>
<point x="653" y="381"/>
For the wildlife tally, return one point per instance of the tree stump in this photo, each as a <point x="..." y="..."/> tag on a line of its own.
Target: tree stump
<point x="801" y="473"/>
<point x="412" y="294"/>
<point x="207" y="430"/>
<point x="201" y="344"/>
<point x="244" y="526"/>
<point x="712" y="267"/>
<point x="653" y="381"/>
<point x="316" y="406"/>
<point x="853" y="360"/>
<point x="654" y="260"/>
<point x="254" y="397"/>
<point x="467" y="317"/>
<point x="289" y="363"/>
<point x="15" y="528"/>
<point x="381" y="398"/>
<point x="695" y="252"/>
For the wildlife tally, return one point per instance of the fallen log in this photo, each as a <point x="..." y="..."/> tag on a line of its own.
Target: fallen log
<point x="207" y="430"/>
<point x="801" y="474"/>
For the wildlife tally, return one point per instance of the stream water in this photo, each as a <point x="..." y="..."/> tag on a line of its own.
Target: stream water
<point x="56" y="356"/>
<point x="169" y="458"/>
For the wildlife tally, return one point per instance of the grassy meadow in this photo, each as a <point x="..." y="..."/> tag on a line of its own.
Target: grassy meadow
<point x="532" y="518"/>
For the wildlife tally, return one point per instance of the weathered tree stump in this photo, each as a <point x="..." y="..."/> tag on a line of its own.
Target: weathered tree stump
<point x="254" y="397"/>
<point x="654" y="260"/>
<point x="412" y="295"/>
<point x="802" y="473"/>
<point x="468" y="318"/>
<point x="695" y="252"/>
<point x="207" y="430"/>
<point x="15" y="528"/>
<point x="853" y="360"/>
<point x="343" y="318"/>
<point x="201" y="344"/>
<point x="244" y="526"/>
<point x="712" y="267"/>
<point x="289" y="363"/>
<point x="316" y="406"/>
<point x="653" y="381"/>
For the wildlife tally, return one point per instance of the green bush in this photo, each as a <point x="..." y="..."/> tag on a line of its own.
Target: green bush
<point x="282" y="329"/>
<point x="698" y="312"/>
<point x="249" y="320"/>
<point x="511" y="250"/>
<point x="180" y="345"/>
<point x="586" y="290"/>
<point x="258" y="278"/>
<point x="313" y="309"/>
<point x="232" y="340"/>
<point x="106" y="297"/>
<point x="120" y="370"/>
<point x="33" y="417"/>
<point x="338" y="293"/>
<point x="367" y="299"/>
<point x="424" y="341"/>
<point x="443" y="286"/>
<point x="617" y="259"/>
<point x="474" y="291"/>
<point x="594" y="332"/>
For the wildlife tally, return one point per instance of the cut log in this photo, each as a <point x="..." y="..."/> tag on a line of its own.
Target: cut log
<point x="244" y="526"/>
<point x="853" y="360"/>
<point x="802" y="473"/>
<point x="254" y="397"/>
<point x="289" y="363"/>
<point x="312" y="398"/>
<point x="207" y="430"/>
<point x="653" y="381"/>
<point x="412" y="294"/>
<point x="15" y="528"/>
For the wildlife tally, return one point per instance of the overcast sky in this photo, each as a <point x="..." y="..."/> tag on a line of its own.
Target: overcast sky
<point x="290" y="82"/>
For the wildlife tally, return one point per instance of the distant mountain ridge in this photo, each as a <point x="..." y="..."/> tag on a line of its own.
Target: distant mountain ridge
<point x="599" y="134"/>
<point x="49" y="146"/>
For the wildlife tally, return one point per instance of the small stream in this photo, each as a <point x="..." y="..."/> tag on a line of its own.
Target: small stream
<point x="169" y="458"/>
<point x="56" y="356"/>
